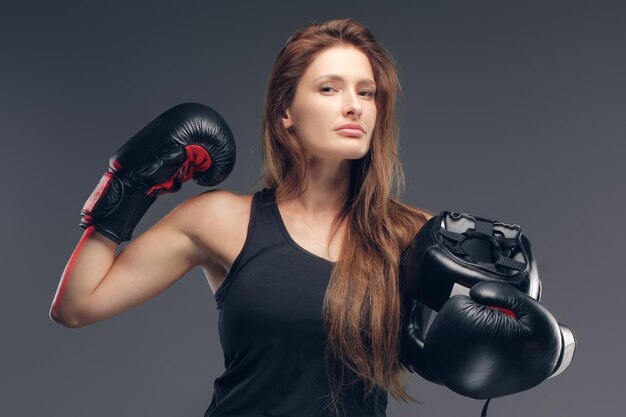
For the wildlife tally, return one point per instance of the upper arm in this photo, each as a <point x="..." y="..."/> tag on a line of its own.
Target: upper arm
<point x="155" y="260"/>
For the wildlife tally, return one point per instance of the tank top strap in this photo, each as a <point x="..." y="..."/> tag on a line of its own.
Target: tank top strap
<point x="262" y="233"/>
<point x="265" y="211"/>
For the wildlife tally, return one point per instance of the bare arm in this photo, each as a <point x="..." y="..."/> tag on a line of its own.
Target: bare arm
<point x="97" y="285"/>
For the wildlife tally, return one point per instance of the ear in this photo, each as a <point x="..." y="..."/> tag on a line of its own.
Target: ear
<point x="287" y="119"/>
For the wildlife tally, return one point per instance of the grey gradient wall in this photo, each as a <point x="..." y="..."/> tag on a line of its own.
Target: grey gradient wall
<point x="512" y="110"/>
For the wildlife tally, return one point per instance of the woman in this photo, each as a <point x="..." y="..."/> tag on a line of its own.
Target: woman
<point x="305" y="271"/>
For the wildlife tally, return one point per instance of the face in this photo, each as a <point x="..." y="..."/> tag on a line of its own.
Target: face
<point x="336" y="89"/>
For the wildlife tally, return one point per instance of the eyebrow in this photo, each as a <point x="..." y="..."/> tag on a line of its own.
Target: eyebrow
<point x="340" y="78"/>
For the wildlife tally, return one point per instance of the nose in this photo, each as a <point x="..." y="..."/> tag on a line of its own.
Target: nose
<point x="352" y="105"/>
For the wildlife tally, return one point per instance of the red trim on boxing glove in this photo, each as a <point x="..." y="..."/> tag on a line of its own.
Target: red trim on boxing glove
<point x="198" y="160"/>
<point x="94" y="198"/>
<point x="505" y="311"/>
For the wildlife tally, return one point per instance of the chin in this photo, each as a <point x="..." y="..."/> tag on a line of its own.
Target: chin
<point x="346" y="151"/>
<point x="359" y="155"/>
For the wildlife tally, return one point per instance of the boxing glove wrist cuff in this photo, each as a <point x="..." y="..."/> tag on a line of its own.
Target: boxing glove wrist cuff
<point x="115" y="207"/>
<point x="567" y="352"/>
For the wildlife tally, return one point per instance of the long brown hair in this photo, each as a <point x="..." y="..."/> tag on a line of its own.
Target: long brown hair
<point x="362" y="305"/>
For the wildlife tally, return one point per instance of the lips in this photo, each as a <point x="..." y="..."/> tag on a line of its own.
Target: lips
<point x="351" y="126"/>
<point x="352" y="130"/>
<point x="352" y="133"/>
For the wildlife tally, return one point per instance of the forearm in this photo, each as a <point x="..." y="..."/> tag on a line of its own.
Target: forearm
<point x="187" y="141"/>
<point x="85" y="270"/>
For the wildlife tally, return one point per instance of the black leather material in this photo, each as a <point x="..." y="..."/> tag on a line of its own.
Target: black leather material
<point x="479" y="352"/>
<point x="450" y="254"/>
<point x="412" y="355"/>
<point x="430" y="257"/>
<point x="156" y="160"/>
<point x="436" y="262"/>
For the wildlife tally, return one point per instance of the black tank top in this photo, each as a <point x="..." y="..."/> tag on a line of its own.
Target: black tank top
<point x="271" y="329"/>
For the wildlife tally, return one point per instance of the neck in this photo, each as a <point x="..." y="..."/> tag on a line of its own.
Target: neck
<point x="328" y="183"/>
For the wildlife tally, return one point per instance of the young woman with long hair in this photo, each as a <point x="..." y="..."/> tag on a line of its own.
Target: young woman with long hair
<point x="304" y="269"/>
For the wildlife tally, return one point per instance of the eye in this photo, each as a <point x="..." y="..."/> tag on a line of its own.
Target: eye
<point x="366" y="93"/>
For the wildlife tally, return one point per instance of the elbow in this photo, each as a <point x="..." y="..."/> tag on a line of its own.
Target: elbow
<point x="64" y="319"/>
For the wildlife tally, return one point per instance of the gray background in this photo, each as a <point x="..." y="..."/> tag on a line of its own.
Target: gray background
<point x="511" y="110"/>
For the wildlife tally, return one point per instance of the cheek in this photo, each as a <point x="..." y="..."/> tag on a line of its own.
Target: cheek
<point x="320" y="115"/>
<point x="313" y="110"/>
<point x="373" y="113"/>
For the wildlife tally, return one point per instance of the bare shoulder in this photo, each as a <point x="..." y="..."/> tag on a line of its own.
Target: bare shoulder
<point x="216" y="201"/>
<point x="217" y="220"/>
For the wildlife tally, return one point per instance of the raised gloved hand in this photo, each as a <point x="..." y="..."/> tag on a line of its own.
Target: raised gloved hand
<point x="187" y="141"/>
<point x="450" y="254"/>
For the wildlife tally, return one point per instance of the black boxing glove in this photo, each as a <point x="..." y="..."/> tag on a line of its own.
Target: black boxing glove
<point x="187" y="141"/>
<point x="496" y="342"/>
<point x="449" y="255"/>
